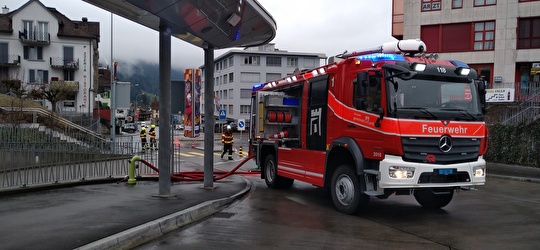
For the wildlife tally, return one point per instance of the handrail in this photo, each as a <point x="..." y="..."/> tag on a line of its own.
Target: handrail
<point x="61" y="119"/>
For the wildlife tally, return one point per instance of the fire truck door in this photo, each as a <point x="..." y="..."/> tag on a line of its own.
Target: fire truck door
<point x="316" y="113"/>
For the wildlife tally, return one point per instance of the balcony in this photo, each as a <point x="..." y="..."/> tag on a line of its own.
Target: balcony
<point x="64" y="63"/>
<point x="10" y="60"/>
<point x="67" y="86"/>
<point x="35" y="38"/>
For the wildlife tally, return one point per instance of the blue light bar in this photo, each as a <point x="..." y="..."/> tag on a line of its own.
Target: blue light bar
<point x="257" y="87"/>
<point x="377" y="57"/>
<point x="459" y="64"/>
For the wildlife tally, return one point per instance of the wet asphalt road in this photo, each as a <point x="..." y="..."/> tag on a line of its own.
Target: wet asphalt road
<point x="504" y="214"/>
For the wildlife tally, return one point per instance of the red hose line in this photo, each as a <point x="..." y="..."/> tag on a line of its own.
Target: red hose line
<point x="199" y="175"/>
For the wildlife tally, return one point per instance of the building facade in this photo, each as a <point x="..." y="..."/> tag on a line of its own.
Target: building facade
<point x="42" y="48"/>
<point x="498" y="38"/>
<point x="237" y="71"/>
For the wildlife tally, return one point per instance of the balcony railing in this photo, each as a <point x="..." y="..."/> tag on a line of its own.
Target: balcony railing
<point x="63" y="63"/>
<point x="68" y="86"/>
<point x="10" y="60"/>
<point x="35" y="38"/>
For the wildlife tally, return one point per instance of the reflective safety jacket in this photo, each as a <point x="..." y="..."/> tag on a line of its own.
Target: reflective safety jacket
<point x="152" y="133"/>
<point x="143" y="135"/>
<point x="227" y="138"/>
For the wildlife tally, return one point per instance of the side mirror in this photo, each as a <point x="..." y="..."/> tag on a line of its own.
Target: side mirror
<point x="380" y="111"/>
<point x="362" y="84"/>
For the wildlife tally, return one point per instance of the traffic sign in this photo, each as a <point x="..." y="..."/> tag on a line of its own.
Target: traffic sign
<point x="241" y="124"/>
<point x="222" y="114"/>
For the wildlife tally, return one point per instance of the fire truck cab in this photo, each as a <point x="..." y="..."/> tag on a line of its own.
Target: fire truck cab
<point x="391" y="120"/>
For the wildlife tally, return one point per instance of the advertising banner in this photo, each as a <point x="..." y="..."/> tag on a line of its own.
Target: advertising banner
<point x="192" y="113"/>
<point x="500" y="95"/>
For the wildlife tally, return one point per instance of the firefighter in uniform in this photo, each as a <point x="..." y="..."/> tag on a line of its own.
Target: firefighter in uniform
<point x="144" y="142"/>
<point x="227" y="140"/>
<point x="152" y="133"/>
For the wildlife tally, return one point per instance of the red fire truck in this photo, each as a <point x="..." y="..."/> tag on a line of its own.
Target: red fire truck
<point x="392" y="120"/>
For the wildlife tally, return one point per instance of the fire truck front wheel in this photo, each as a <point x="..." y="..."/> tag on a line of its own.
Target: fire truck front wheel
<point x="271" y="177"/>
<point x="346" y="189"/>
<point x="433" y="198"/>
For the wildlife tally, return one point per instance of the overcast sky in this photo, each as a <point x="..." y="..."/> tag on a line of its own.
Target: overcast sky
<point x="317" y="26"/>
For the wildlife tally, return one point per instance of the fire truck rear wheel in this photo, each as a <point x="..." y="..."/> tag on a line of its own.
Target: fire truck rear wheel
<point x="271" y="177"/>
<point x="433" y="199"/>
<point x="346" y="189"/>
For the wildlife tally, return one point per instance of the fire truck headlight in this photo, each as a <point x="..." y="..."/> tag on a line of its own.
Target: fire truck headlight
<point x="418" y="67"/>
<point x="398" y="172"/>
<point x="479" y="171"/>
<point x="463" y="71"/>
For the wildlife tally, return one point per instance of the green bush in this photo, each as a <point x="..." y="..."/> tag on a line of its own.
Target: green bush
<point x="514" y="144"/>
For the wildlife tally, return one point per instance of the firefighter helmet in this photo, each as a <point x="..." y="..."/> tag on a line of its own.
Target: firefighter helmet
<point x="228" y="127"/>
<point x="153" y="125"/>
<point x="143" y="128"/>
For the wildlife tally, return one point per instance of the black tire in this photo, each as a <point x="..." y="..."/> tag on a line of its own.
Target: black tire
<point x="347" y="190"/>
<point x="433" y="198"/>
<point x="271" y="177"/>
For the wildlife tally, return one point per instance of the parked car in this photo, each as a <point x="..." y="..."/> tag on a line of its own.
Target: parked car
<point x="129" y="127"/>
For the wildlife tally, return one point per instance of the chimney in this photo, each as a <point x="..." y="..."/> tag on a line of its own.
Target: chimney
<point x="85" y="19"/>
<point x="5" y="9"/>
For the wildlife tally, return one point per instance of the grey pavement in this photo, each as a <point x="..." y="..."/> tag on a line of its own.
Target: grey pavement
<point x="107" y="214"/>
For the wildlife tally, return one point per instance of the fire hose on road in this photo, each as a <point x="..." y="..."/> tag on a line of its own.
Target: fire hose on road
<point x="186" y="176"/>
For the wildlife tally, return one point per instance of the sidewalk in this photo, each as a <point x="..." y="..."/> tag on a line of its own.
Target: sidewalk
<point x="113" y="215"/>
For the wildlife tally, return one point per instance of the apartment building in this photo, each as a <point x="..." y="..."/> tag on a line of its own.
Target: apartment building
<point x="41" y="47"/>
<point x="499" y="38"/>
<point x="238" y="70"/>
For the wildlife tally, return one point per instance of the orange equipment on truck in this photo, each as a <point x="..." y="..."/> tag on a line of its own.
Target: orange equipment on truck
<point x="392" y="120"/>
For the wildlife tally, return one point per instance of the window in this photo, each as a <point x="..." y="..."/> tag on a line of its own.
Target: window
<point x="245" y="93"/>
<point x="69" y="104"/>
<point x="225" y="64"/>
<point x="251" y="60"/>
<point x="231" y="94"/>
<point x="484" y="35"/>
<point x="272" y="61"/>
<point x="528" y="33"/>
<point x="4" y="57"/>
<point x="310" y="63"/>
<point x="38" y="76"/>
<point x="231" y="61"/>
<point x="231" y="110"/>
<point x="478" y="3"/>
<point x="430" y="5"/>
<point x="272" y="76"/>
<point x="231" y="77"/>
<point x="33" y="52"/>
<point x="368" y="94"/>
<point x="69" y="75"/>
<point x="28" y="30"/>
<point x="250" y="77"/>
<point x="244" y="109"/>
<point x="472" y="37"/>
<point x="457" y="4"/>
<point x="292" y="62"/>
<point x="42" y="31"/>
<point x="225" y="96"/>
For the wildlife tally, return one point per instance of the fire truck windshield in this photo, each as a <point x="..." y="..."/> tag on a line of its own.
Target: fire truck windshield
<point x="434" y="99"/>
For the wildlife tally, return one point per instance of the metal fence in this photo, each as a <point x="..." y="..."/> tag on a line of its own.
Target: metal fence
<point x="31" y="154"/>
<point x="524" y="110"/>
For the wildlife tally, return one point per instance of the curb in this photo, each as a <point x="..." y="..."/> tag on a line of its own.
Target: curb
<point x="151" y="230"/>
